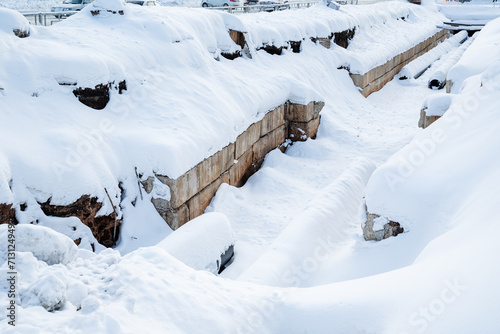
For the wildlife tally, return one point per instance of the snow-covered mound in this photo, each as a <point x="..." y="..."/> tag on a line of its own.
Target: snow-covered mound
<point x="44" y="243"/>
<point x="12" y="22"/>
<point x="416" y="67"/>
<point x="478" y="57"/>
<point x="200" y="243"/>
<point x="443" y="189"/>
<point x="181" y="100"/>
<point x="437" y="105"/>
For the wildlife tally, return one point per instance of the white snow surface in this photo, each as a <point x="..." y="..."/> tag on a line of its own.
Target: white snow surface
<point x="158" y="125"/>
<point x="44" y="243"/>
<point x="483" y="52"/>
<point x="11" y="20"/>
<point x="330" y="214"/>
<point x="440" y="276"/>
<point x="470" y="11"/>
<point x="200" y="243"/>
<point x="437" y="105"/>
<point x="441" y="73"/>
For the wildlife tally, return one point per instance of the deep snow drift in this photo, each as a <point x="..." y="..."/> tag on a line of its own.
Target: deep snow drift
<point x="438" y="277"/>
<point x="183" y="102"/>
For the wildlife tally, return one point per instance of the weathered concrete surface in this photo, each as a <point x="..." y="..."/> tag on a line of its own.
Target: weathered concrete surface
<point x="425" y="120"/>
<point x="192" y="192"/>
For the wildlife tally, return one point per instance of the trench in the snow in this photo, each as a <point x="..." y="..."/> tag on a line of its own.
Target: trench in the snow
<point x="291" y="185"/>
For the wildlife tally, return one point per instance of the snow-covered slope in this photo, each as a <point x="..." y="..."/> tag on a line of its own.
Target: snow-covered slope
<point x="443" y="187"/>
<point x="183" y="102"/>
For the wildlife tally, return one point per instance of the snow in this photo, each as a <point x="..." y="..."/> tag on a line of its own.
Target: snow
<point x="379" y="222"/>
<point x="11" y="20"/>
<point x="200" y="243"/>
<point x="328" y="214"/>
<point x="438" y="78"/>
<point x="403" y="28"/>
<point x="442" y="269"/>
<point x="472" y="10"/>
<point x="416" y="67"/>
<point x="72" y="150"/>
<point x="45" y="5"/>
<point x="44" y="243"/>
<point x="478" y="57"/>
<point x="437" y="105"/>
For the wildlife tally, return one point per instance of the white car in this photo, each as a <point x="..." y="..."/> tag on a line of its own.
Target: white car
<point x="221" y="3"/>
<point x="144" y="2"/>
<point x="69" y="6"/>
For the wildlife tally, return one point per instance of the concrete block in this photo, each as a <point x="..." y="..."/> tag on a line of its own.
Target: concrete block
<point x="325" y="42"/>
<point x="359" y="80"/>
<point x="425" y="120"/>
<point x="238" y="173"/>
<point x="300" y="131"/>
<point x="238" y="37"/>
<point x="182" y="188"/>
<point x="200" y="201"/>
<point x="211" y="168"/>
<point x="268" y="143"/>
<point x="273" y="119"/>
<point x="174" y="217"/>
<point x="246" y="140"/>
<point x="449" y="84"/>
<point x="301" y="113"/>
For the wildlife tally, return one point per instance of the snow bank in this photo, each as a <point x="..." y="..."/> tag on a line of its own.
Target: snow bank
<point x="403" y="28"/>
<point x="415" y="68"/>
<point x="315" y="231"/>
<point x="478" y="57"/>
<point x="438" y="104"/>
<point x="200" y="243"/>
<point x="12" y="22"/>
<point x="438" y="78"/>
<point x="45" y="244"/>
<point x="450" y="145"/>
<point x="183" y="103"/>
<point x="470" y="11"/>
<point x="29" y="5"/>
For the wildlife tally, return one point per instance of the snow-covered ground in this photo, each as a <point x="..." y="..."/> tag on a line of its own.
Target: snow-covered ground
<point x="296" y="221"/>
<point x="164" y="123"/>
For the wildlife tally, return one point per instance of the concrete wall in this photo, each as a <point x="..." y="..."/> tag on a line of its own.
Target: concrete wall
<point x="192" y="192"/>
<point x="425" y="120"/>
<point x="378" y="77"/>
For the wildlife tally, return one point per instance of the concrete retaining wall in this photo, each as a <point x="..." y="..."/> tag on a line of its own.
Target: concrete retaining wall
<point x="378" y="77"/>
<point x="424" y="120"/>
<point x="192" y="192"/>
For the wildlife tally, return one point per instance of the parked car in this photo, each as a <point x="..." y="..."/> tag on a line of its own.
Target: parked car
<point x="221" y="3"/>
<point x="347" y="2"/>
<point x="270" y="5"/>
<point x="69" y="6"/>
<point x="144" y="2"/>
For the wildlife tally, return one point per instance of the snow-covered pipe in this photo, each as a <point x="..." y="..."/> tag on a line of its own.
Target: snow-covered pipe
<point x="438" y="78"/>
<point x="316" y="233"/>
<point x="418" y="66"/>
